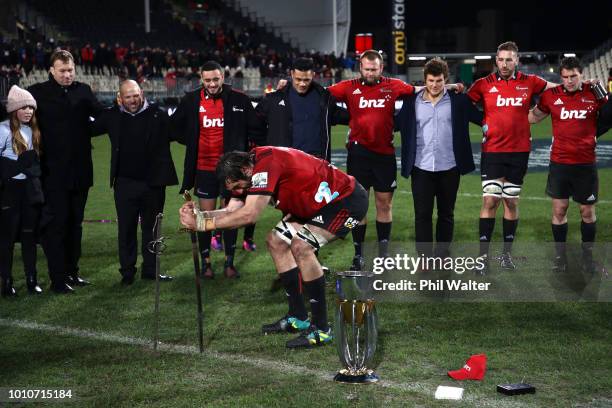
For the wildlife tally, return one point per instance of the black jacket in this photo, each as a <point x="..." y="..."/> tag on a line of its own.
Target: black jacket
<point x="463" y="111"/>
<point x="63" y="116"/>
<point x="604" y="120"/>
<point x="240" y="126"/>
<point x="160" y="168"/>
<point x="27" y="163"/>
<point x="277" y="116"/>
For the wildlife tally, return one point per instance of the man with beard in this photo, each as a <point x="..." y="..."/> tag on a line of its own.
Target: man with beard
<point x="506" y="96"/>
<point x="319" y="204"/>
<point x="210" y="121"/>
<point x="370" y="101"/>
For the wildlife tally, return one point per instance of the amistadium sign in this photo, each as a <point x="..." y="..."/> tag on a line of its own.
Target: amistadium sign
<point x="398" y="37"/>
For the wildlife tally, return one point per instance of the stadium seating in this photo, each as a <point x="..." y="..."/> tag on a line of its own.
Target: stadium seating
<point x="598" y="69"/>
<point x="118" y="21"/>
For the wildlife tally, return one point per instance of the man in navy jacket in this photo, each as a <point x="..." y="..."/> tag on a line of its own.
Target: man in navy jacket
<point x="436" y="150"/>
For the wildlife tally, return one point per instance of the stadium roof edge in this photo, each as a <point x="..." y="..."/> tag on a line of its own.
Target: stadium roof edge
<point x="471" y="54"/>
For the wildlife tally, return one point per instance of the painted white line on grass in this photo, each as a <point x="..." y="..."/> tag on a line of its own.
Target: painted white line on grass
<point x="272" y="365"/>
<point x="522" y="198"/>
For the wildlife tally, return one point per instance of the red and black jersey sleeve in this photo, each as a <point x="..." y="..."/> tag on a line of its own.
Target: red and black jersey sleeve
<point x="266" y="173"/>
<point x="539" y="84"/>
<point x="340" y="90"/>
<point x="475" y="91"/>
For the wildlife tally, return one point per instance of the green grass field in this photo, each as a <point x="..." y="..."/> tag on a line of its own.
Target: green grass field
<point x="97" y="342"/>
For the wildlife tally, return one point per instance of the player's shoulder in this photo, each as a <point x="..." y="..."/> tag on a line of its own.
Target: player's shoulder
<point x="348" y="83"/>
<point x="484" y="81"/>
<point x="556" y="91"/>
<point x="235" y="93"/>
<point x="521" y="76"/>
<point x="385" y="81"/>
<point x="261" y="152"/>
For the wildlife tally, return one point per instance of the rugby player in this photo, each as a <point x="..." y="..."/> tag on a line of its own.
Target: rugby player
<point x="506" y="97"/>
<point x="319" y="204"/>
<point x="574" y="111"/>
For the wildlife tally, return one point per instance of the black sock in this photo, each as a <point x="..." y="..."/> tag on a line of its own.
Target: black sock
<point x="316" y="295"/>
<point x="229" y="241"/>
<point x="509" y="230"/>
<point x="587" y="229"/>
<point x="295" y="298"/>
<point x="249" y="232"/>
<point x="204" y="243"/>
<point x="358" y="236"/>
<point x="383" y="232"/>
<point x="485" y="231"/>
<point x="560" y="236"/>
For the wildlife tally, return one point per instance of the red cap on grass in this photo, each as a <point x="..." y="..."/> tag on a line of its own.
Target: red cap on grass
<point x="474" y="369"/>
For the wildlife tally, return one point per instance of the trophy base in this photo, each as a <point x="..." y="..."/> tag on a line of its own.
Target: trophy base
<point x="344" y="376"/>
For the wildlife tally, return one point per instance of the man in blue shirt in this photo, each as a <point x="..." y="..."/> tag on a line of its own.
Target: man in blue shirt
<point x="436" y="150"/>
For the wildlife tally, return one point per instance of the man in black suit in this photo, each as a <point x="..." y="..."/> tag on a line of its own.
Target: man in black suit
<point x="141" y="168"/>
<point x="436" y="150"/>
<point x="64" y="109"/>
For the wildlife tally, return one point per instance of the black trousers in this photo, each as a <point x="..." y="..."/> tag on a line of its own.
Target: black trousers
<point x="442" y="187"/>
<point x="61" y="232"/>
<point x="134" y="199"/>
<point x="18" y="220"/>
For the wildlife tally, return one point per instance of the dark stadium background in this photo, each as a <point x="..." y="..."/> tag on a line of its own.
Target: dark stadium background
<point x="534" y="26"/>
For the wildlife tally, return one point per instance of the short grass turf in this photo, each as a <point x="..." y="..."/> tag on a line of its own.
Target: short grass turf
<point x="562" y="348"/>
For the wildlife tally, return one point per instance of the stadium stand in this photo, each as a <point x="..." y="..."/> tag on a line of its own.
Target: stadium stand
<point x="600" y="64"/>
<point x="194" y="31"/>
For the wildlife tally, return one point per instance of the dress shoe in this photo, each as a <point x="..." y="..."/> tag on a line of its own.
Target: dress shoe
<point x="76" y="280"/>
<point x="32" y="285"/>
<point x="208" y="271"/>
<point x="62" y="288"/>
<point x="162" y="278"/>
<point x="230" y="272"/>
<point x="127" y="279"/>
<point x="7" y="289"/>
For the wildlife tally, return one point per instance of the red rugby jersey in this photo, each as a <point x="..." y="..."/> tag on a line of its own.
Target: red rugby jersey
<point x="506" y="108"/>
<point x="574" y="123"/>
<point x="300" y="184"/>
<point x="371" y="108"/>
<point x="210" y="143"/>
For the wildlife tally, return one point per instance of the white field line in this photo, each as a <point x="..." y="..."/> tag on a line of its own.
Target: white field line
<point x="271" y="365"/>
<point x="521" y="198"/>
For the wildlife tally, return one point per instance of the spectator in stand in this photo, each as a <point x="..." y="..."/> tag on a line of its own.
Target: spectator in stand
<point x="87" y="58"/>
<point x="39" y="57"/>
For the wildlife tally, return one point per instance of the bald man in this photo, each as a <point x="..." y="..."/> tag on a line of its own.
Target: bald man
<point x="141" y="168"/>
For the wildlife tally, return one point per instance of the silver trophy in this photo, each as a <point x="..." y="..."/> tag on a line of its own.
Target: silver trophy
<point x="356" y="327"/>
